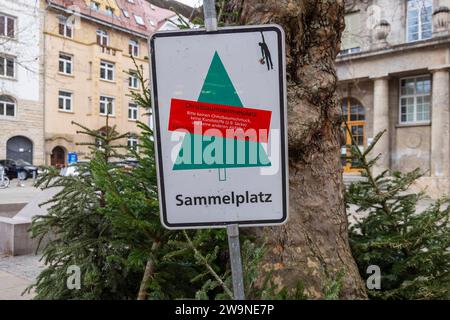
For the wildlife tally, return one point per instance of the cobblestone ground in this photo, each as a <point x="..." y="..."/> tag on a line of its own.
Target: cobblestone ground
<point x="16" y="274"/>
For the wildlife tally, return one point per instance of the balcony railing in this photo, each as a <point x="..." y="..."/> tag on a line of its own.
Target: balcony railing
<point x="108" y="50"/>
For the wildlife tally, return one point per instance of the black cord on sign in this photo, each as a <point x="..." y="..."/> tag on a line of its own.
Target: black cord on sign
<point x="266" y="56"/>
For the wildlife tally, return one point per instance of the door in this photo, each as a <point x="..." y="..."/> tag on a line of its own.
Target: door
<point x="19" y="148"/>
<point x="354" y="114"/>
<point x="58" y="157"/>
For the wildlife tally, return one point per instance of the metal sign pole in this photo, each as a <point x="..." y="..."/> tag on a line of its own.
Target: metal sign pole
<point x="209" y="9"/>
<point x="236" y="263"/>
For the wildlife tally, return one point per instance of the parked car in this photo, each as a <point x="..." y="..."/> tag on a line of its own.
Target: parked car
<point x="13" y="167"/>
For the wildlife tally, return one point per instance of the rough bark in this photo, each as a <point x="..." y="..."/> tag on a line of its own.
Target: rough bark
<point x="312" y="248"/>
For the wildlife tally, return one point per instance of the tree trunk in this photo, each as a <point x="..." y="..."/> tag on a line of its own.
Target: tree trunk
<point x="312" y="249"/>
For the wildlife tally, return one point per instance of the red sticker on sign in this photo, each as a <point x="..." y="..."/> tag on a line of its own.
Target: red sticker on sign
<point x="210" y="119"/>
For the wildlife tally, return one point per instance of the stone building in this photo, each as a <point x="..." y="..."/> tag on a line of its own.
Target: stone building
<point x="393" y="75"/>
<point x="89" y="70"/>
<point x="21" y="90"/>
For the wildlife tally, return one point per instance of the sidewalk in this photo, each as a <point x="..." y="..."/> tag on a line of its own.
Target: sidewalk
<point x="16" y="274"/>
<point x="11" y="287"/>
<point x="15" y="194"/>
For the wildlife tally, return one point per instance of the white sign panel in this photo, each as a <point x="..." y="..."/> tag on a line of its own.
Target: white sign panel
<point x="220" y="126"/>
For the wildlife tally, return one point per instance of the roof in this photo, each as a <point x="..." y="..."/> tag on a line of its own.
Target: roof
<point x="138" y="16"/>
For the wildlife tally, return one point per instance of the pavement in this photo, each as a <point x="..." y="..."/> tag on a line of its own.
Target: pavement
<point x="17" y="194"/>
<point x="19" y="272"/>
<point x="16" y="274"/>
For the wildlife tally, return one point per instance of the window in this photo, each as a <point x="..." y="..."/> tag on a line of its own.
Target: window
<point x="7" y="66"/>
<point x="351" y="39"/>
<point x="109" y="11"/>
<point x="133" y="48"/>
<point x="349" y="51"/>
<point x="7" y="26"/>
<point x="99" y="142"/>
<point x="65" y="101"/>
<point x="65" y="63"/>
<point x="106" y="106"/>
<point x="133" y="81"/>
<point x="7" y="106"/>
<point x="107" y="71"/>
<point x="353" y="110"/>
<point x="65" y="29"/>
<point x="415" y="100"/>
<point x="139" y="20"/>
<point x="354" y="116"/>
<point x="95" y="5"/>
<point x="102" y="38"/>
<point x="419" y="26"/>
<point x="125" y="13"/>
<point x="132" y="111"/>
<point x="133" y="142"/>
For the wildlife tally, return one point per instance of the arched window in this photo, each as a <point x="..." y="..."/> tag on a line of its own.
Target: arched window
<point x="7" y="106"/>
<point x="19" y="148"/>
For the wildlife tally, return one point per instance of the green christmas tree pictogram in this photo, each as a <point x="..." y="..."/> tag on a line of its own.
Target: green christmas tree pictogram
<point x="218" y="152"/>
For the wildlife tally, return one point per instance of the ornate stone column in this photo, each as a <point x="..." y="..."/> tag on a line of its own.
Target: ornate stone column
<point x="381" y="122"/>
<point x="440" y="125"/>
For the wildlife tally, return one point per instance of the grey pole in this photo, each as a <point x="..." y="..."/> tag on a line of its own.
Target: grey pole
<point x="209" y="10"/>
<point x="236" y="263"/>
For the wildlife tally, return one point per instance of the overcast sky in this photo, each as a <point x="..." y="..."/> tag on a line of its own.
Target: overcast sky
<point x="192" y="3"/>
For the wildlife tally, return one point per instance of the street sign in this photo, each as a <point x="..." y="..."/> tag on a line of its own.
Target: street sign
<point x="72" y="158"/>
<point x="219" y="102"/>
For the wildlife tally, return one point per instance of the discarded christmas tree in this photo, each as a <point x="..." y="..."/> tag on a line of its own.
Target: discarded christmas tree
<point x="411" y="248"/>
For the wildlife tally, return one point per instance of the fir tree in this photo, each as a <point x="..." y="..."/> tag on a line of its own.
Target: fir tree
<point x="411" y="248"/>
<point x="105" y="220"/>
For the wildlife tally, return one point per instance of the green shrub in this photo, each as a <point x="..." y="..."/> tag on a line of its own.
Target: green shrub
<point x="106" y="221"/>
<point x="411" y="248"/>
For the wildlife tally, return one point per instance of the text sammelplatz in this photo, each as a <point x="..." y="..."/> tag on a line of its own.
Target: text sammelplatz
<point x="232" y="198"/>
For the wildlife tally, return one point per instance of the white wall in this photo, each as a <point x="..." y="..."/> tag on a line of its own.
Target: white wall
<point x="26" y="48"/>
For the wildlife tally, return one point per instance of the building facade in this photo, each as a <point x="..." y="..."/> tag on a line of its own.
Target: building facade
<point x="21" y="82"/>
<point x="91" y="48"/>
<point x="393" y="75"/>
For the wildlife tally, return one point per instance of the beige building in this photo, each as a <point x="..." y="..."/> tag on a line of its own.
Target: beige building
<point x="89" y="71"/>
<point x="394" y="75"/>
<point x="21" y="89"/>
